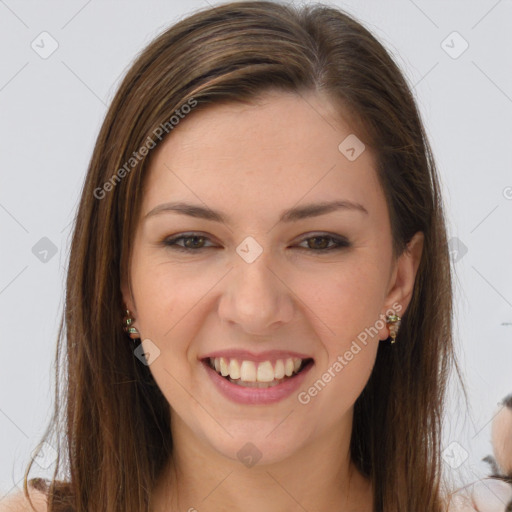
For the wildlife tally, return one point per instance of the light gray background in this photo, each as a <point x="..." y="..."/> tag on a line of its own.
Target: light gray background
<point x="51" y="111"/>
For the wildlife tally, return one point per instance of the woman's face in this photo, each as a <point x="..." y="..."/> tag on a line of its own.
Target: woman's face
<point x="274" y="283"/>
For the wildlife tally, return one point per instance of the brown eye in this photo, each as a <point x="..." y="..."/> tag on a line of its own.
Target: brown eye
<point x="324" y="243"/>
<point x="191" y="242"/>
<point x="318" y="242"/>
<point x="194" y="242"/>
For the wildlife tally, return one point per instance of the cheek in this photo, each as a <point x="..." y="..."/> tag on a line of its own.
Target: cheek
<point x="343" y="381"/>
<point x="169" y="304"/>
<point x="343" y="302"/>
<point x="165" y="299"/>
<point x="344" y="307"/>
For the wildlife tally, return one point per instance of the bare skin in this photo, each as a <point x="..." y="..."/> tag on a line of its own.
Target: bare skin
<point x="252" y="163"/>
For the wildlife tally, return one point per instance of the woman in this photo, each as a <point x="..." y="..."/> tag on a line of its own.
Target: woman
<point x="262" y="216"/>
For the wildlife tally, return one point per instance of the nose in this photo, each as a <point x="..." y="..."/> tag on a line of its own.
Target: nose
<point x="256" y="297"/>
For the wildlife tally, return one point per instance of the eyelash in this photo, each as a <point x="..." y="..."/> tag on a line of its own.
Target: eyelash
<point x="341" y="243"/>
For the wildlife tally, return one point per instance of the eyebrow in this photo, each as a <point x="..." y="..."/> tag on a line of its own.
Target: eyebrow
<point x="290" y="215"/>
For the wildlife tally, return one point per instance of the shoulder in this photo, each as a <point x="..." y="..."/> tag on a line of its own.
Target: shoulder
<point x="17" y="502"/>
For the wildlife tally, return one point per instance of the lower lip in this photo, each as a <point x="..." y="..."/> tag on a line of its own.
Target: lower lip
<point x="244" y="395"/>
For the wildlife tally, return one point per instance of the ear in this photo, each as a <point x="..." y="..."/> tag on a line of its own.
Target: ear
<point x="401" y="283"/>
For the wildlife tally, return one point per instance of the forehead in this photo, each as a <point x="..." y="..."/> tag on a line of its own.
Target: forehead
<point x="258" y="159"/>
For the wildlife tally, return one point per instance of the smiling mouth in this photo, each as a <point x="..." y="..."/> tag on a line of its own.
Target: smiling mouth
<point x="257" y="375"/>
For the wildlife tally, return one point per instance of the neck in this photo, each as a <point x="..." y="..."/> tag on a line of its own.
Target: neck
<point x="320" y="476"/>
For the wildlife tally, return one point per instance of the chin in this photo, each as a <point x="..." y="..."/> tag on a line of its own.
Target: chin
<point x="259" y="443"/>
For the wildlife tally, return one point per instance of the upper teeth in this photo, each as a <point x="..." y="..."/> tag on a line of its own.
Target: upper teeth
<point x="249" y="371"/>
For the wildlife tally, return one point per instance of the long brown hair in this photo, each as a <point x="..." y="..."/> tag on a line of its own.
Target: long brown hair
<point x="115" y="420"/>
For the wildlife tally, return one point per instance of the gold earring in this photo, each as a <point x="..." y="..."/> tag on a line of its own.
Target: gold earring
<point x="394" y="320"/>
<point x="128" y="327"/>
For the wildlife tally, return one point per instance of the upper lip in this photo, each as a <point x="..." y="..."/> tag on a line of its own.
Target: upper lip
<point x="246" y="355"/>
